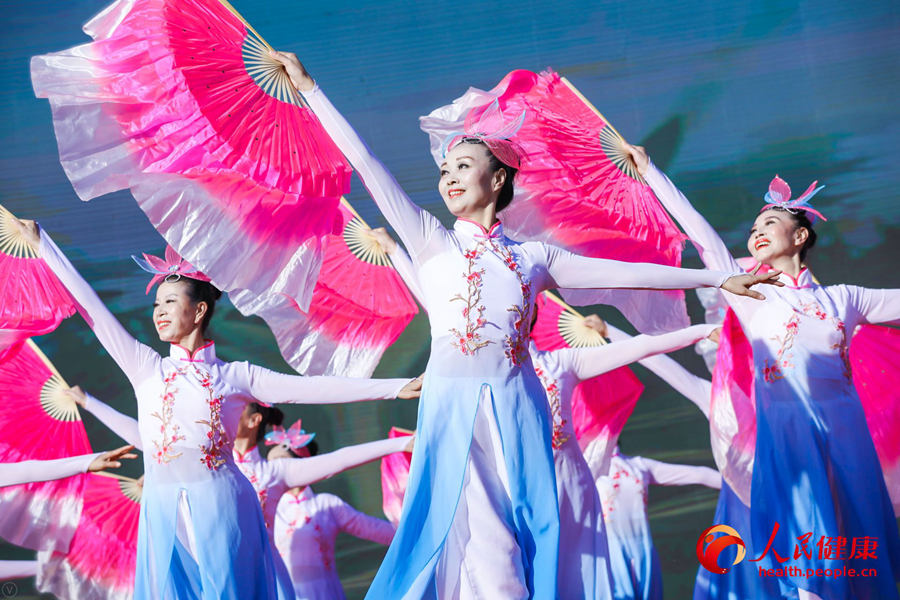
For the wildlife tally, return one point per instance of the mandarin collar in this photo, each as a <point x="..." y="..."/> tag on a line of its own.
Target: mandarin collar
<point x="472" y="229"/>
<point x="804" y="279"/>
<point x="250" y="456"/>
<point x="306" y="494"/>
<point x="204" y="354"/>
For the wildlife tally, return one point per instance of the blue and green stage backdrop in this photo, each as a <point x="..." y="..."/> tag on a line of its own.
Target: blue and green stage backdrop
<point x="724" y="94"/>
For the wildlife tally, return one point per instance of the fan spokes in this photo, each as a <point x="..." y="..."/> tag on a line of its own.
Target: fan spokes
<point x="266" y="72"/>
<point x="56" y="402"/>
<point x="361" y="243"/>
<point x="575" y="332"/>
<point x="614" y="148"/>
<point x="12" y="242"/>
<point x="131" y="489"/>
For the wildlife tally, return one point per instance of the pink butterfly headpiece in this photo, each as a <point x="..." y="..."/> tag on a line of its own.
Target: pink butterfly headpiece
<point x="487" y="124"/>
<point x="172" y="268"/>
<point x="294" y="438"/>
<point x="779" y="195"/>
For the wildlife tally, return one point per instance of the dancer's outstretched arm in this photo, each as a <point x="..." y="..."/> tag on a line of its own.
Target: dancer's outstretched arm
<point x="696" y="389"/>
<point x="119" y="423"/>
<point x="713" y="251"/>
<point x="590" y="362"/>
<point x="662" y="473"/>
<point x="17" y="569"/>
<point x="359" y="524"/>
<point x="30" y="471"/>
<point x="401" y="261"/>
<point x="300" y="472"/>
<point x="414" y="225"/>
<point x="135" y="359"/>
<point x="876" y="306"/>
<point x="271" y="387"/>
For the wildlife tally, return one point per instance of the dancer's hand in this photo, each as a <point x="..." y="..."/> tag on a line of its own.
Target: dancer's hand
<point x="597" y="324"/>
<point x="639" y="156"/>
<point x="30" y="233"/>
<point x="715" y="335"/>
<point x="411" y="443"/>
<point x="111" y="459"/>
<point x="740" y="284"/>
<point x="384" y="239"/>
<point x="295" y="70"/>
<point x="76" y="395"/>
<point x="411" y="390"/>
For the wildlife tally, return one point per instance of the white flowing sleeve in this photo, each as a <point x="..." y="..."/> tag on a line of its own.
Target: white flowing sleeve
<point x="272" y="387"/>
<point x="662" y="473"/>
<point x="30" y="471"/>
<point x="696" y="389"/>
<point x="876" y="306"/>
<point x="568" y="270"/>
<point x="713" y="251"/>
<point x="360" y="524"/>
<point x="414" y="225"/>
<point x="121" y="424"/>
<point x="590" y="362"/>
<point x="17" y="569"/>
<point x="135" y="359"/>
<point x="404" y="267"/>
<point x="300" y="472"/>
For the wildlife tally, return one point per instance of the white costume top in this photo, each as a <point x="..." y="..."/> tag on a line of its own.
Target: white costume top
<point x="30" y="471"/>
<point x="306" y="527"/>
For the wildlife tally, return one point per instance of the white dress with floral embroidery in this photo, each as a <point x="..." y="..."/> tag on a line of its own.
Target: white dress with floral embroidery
<point x="814" y="469"/>
<point x="201" y="532"/>
<point x="480" y="518"/>
<point x="306" y="528"/>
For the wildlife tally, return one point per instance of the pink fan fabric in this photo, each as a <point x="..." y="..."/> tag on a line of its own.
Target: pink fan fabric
<point x="874" y="355"/>
<point x="394" y="478"/>
<point x="43" y="515"/>
<point x="570" y="193"/>
<point x="100" y="563"/>
<point x="732" y="409"/>
<point x="601" y="405"/>
<point x="32" y="300"/>
<point x="242" y="185"/>
<point x="358" y="309"/>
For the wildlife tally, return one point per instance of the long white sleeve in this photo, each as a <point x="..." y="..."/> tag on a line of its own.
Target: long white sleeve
<point x="713" y="251"/>
<point x="17" y="569"/>
<point x="590" y="362"/>
<point x="300" y="472"/>
<point x="121" y="424"/>
<point x="569" y="270"/>
<point x="272" y="387"/>
<point x="414" y="225"/>
<point x="360" y="524"/>
<point x="404" y="267"/>
<point x="662" y="473"/>
<point x="696" y="389"/>
<point x="876" y="305"/>
<point x="30" y="471"/>
<point x="135" y="359"/>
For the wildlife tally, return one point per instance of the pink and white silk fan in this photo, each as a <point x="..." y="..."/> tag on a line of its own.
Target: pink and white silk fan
<point x="38" y="422"/>
<point x="359" y="307"/>
<point x="100" y="562"/>
<point x="32" y="300"/>
<point x="180" y="102"/>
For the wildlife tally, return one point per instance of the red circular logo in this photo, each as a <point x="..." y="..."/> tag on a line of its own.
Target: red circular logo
<point x="709" y="547"/>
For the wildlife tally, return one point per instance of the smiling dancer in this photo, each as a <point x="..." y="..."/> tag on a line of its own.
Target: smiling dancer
<point x="477" y="521"/>
<point x="814" y="468"/>
<point x="201" y="532"/>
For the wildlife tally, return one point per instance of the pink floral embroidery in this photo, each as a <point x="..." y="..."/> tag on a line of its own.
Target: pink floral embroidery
<point x="559" y="435"/>
<point x="170" y="432"/>
<point x="470" y="340"/>
<point x="516" y="346"/>
<point x="213" y="451"/>
<point x="773" y="372"/>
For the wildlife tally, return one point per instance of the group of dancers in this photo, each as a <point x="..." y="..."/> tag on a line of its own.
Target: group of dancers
<point x="501" y="501"/>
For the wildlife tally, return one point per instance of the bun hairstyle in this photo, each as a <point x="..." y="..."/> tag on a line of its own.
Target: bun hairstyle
<point x="270" y="416"/>
<point x="801" y="219"/>
<point x="506" y="192"/>
<point x="202" y="291"/>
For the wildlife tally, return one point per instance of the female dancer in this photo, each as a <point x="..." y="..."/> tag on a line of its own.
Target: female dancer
<point x="815" y="469"/>
<point x="473" y="524"/>
<point x="306" y="528"/>
<point x="201" y="532"/>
